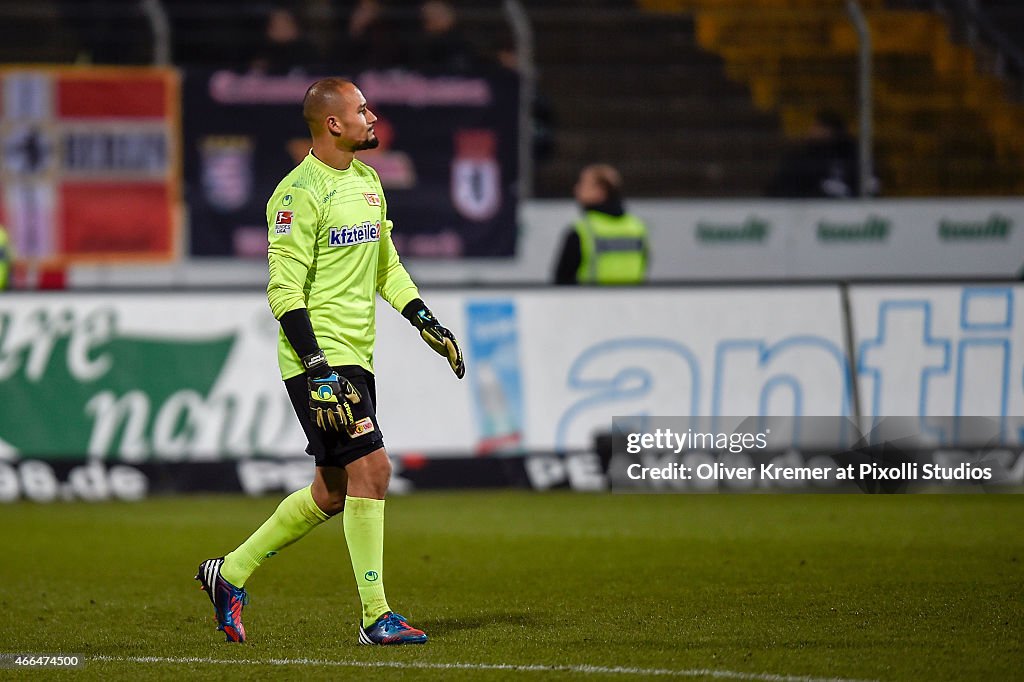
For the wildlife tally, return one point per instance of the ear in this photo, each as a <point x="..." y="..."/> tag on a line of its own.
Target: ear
<point x="333" y="126"/>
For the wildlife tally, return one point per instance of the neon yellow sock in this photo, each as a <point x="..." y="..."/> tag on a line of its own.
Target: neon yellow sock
<point x="295" y="516"/>
<point x="364" y="533"/>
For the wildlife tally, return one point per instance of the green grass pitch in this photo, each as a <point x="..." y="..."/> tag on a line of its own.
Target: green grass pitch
<point x="555" y="586"/>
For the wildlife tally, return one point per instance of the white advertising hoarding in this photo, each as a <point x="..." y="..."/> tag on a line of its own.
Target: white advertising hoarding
<point x="585" y="356"/>
<point x="710" y="241"/>
<point x="194" y="377"/>
<point x="934" y="351"/>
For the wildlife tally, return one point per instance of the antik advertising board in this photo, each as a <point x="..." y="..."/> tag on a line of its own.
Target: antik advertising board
<point x="138" y="378"/>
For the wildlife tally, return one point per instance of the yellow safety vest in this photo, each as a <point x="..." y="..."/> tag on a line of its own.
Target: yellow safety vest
<point x="613" y="249"/>
<point x="5" y="259"/>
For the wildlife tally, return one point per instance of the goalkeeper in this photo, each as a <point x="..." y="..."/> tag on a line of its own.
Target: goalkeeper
<point x="330" y="254"/>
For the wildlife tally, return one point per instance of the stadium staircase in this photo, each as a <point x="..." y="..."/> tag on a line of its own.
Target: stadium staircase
<point x="942" y="126"/>
<point x="634" y="89"/>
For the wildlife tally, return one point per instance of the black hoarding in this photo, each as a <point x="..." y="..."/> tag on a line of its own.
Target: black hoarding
<point x="447" y="158"/>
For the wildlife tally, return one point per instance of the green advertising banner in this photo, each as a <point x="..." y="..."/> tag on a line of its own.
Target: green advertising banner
<point x="135" y="378"/>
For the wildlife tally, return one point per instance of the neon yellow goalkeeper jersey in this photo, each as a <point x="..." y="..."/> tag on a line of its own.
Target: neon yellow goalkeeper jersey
<point x="331" y="252"/>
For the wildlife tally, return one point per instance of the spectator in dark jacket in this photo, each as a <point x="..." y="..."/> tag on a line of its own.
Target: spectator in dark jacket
<point x="374" y="37"/>
<point x="285" y="48"/>
<point x="825" y="165"/>
<point x="441" y="45"/>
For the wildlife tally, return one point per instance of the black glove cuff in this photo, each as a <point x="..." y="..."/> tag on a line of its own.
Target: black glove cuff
<point x="316" y="365"/>
<point x="412" y="313"/>
<point x="413" y="307"/>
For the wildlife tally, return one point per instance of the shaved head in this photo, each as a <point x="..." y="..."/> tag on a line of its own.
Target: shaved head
<point x="339" y="121"/>
<point x="323" y="99"/>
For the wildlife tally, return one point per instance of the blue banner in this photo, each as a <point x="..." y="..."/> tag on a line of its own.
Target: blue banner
<point x="495" y="379"/>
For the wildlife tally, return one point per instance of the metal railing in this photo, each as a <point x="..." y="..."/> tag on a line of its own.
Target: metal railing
<point x="865" y="101"/>
<point x="523" y="32"/>
<point x="161" y="27"/>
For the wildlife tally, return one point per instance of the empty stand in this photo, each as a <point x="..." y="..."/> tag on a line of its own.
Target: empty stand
<point x="634" y="89"/>
<point x="942" y="126"/>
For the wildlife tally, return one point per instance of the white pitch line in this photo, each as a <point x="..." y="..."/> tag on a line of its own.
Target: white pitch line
<point x="423" y="665"/>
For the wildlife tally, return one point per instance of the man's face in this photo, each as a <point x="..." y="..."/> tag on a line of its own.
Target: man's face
<point x="352" y="124"/>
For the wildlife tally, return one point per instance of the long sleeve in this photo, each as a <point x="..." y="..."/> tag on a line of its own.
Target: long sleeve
<point x="293" y="221"/>
<point x="569" y="259"/>
<point x="393" y="281"/>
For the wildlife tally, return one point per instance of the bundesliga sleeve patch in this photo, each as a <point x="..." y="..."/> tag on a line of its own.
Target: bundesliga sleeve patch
<point x="283" y="222"/>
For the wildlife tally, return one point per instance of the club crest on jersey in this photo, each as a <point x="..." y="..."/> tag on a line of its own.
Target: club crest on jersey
<point x="283" y="222"/>
<point x="347" y="235"/>
<point x="361" y="427"/>
<point x="372" y="198"/>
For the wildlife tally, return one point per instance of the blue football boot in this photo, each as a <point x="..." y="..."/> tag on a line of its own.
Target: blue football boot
<point x="391" y="628"/>
<point x="227" y="599"/>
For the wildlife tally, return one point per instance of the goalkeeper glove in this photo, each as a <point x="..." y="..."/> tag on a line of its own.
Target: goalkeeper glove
<point x="437" y="337"/>
<point x="331" y="396"/>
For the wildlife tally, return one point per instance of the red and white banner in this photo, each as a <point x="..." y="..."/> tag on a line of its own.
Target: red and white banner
<point x="90" y="163"/>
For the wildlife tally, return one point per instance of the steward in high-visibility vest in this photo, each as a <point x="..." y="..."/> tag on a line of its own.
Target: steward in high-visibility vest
<point x="606" y="245"/>
<point x="5" y="259"/>
<point x="613" y="249"/>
